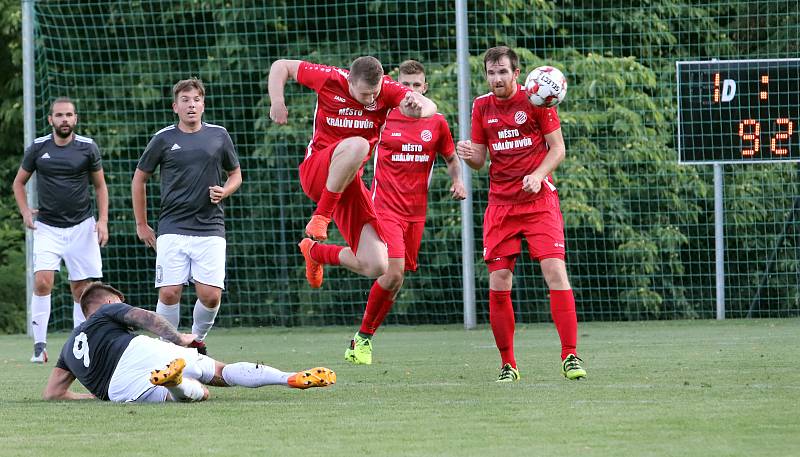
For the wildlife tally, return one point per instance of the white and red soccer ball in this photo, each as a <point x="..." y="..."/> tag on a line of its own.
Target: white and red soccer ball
<point x="546" y="86"/>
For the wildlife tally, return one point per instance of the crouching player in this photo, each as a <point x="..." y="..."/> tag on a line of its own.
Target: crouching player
<point x="117" y="365"/>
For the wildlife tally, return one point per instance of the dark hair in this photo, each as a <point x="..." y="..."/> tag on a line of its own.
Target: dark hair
<point x="496" y="53"/>
<point x="188" y="84"/>
<point x="61" y="100"/>
<point x="367" y="69"/>
<point x="411" y="67"/>
<point x="96" y="292"/>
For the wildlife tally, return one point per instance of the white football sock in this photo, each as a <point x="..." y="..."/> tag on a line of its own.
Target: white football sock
<point x="77" y="315"/>
<point x="188" y="390"/>
<point x="40" y="317"/>
<point x="248" y="374"/>
<point x="172" y="313"/>
<point x="203" y="319"/>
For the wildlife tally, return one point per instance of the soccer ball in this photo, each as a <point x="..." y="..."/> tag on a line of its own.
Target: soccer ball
<point x="546" y="86"/>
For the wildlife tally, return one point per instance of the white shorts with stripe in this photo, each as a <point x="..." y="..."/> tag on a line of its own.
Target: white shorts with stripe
<point x="131" y="379"/>
<point x="76" y="245"/>
<point x="181" y="258"/>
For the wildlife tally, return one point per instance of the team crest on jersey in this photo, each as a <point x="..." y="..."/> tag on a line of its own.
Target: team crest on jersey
<point x="371" y="107"/>
<point x="520" y="117"/>
<point x="426" y="135"/>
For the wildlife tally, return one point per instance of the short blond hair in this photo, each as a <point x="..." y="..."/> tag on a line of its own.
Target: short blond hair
<point x="96" y="292"/>
<point x="188" y="84"/>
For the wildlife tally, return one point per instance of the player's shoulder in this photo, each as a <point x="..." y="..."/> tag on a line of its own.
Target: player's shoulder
<point x="166" y="131"/>
<point x="216" y="127"/>
<point x="40" y="143"/>
<point x="483" y="100"/>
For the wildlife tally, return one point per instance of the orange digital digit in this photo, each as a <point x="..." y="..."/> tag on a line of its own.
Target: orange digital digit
<point x="716" y="87"/>
<point x="781" y="136"/>
<point x="747" y="136"/>
<point x="762" y="94"/>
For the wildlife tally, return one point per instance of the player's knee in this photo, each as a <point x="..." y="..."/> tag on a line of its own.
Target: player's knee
<point x="355" y="149"/>
<point x="501" y="279"/>
<point x="211" y="300"/>
<point x="393" y="280"/>
<point x="42" y="286"/>
<point x="169" y="295"/>
<point x="375" y="268"/>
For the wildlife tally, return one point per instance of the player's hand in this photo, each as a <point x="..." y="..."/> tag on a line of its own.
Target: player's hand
<point x="187" y="338"/>
<point x="411" y="105"/>
<point x="216" y="193"/>
<point x="465" y="150"/>
<point x="28" y="217"/>
<point x="457" y="191"/>
<point x="101" y="227"/>
<point x="278" y="113"/>
<point x="531" y="183"/>
<point x="147" y="235"/>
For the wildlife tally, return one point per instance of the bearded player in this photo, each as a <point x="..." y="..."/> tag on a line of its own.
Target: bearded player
<point x="526" y="146"/>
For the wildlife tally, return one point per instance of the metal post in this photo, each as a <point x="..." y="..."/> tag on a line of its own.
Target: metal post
<point x="719" y="240"/>
<point x="29" y="113"/>
<point x="464" y="117"/>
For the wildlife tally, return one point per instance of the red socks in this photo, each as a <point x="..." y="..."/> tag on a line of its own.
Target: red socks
<point x="378" y="305"/>
<point x="562" y="308"/>
<point x="327" y="202"/>
<point x="326" y="254"/>
<point x="501" y="318"/>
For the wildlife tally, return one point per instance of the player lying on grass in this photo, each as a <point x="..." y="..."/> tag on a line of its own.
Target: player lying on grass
<point x="115" y="364"/>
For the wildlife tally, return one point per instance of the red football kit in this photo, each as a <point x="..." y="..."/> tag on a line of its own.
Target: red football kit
<point x="513" y="131"/>
<point x="338" y="116"/>
<point x="404" y="161"/>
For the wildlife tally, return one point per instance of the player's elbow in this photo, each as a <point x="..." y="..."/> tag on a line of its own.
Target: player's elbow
<point x="51" y="395"/>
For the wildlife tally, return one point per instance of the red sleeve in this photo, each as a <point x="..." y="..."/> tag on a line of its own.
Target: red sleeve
<point x="548" y="120"/>
<point x="478" y="135"/>
<point x="393" y="92"/>
<point x="446" y="147"/>
<point x="313" y="75"/>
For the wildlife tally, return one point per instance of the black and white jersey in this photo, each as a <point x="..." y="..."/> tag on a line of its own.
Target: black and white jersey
<point x="63" y="178"/>
<point x="190" y="164"/>
<point x="94" y="348"/>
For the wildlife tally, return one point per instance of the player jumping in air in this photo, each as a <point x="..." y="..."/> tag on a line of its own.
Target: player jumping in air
<point x="404" y="161"/>
<point x="350" y="112"/>
<point x="525" y="145"/>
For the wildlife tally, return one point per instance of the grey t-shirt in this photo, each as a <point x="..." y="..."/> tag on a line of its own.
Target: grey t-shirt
<point x="63" y="178"/>
<point x="94" y="348"/>
<point x="190" y="164"/>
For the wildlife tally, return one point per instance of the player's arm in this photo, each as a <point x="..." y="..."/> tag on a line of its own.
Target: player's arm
<point x="457" y="190"/>
<point x="57" y="387"/>
<point x="474" y="154"/>
<point x="555" y="155"/>
<point x="231" y="185"/>
<point x="101" y="193"/>
<point x="417" y="105"/>
<point x="139" y="198"/>
<point x="21" y="197"/>
<point x="280" y="72"/>
<point x="156" y="324"/>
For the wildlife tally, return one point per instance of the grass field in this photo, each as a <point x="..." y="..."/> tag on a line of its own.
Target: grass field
<point x="688" y="388"/>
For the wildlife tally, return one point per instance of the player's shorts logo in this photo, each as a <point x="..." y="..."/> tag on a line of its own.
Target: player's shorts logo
<point x="520" y="117"/>
<point x="426" y="135"/>
<point x="159" y="273"/>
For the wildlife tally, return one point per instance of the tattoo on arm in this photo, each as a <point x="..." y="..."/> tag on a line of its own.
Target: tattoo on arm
<point x="218" y="381"/>
<point x="152" y="322"/>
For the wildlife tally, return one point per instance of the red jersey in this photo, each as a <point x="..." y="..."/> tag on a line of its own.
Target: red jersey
<point x="338" y="115"/>
<point x="513" y="130"/>
<point x="404" y="161"/>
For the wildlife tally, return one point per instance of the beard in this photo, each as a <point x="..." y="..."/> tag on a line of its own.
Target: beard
<point x="505" y="90"/>
<point x="64" y="131"/>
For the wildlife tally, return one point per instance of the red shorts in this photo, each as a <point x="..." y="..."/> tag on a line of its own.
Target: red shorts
<point x="354" y="209"/>
<point x="539" y="222"/>
<point x="402" y="237"/>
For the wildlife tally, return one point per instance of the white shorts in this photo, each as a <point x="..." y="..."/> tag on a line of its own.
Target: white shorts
<point x="131" y="379"/>
<point x="180" y="258"/>
<point x="77" y="245"/>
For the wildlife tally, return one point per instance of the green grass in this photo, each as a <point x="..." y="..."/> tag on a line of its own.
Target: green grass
<point x="688" y="388"/>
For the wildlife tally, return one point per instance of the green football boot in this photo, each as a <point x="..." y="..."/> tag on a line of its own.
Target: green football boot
<point x="571" y="368"/>
<point x="360" y="351"/>
<point x="508" y="374"/>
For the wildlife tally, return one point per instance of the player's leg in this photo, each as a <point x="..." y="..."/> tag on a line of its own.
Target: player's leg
<point x="172" y="272"/>
<point x="48" y="250"/>
<point x="501" y="241"/>
<point x="545" y="236"/>
<point x="207" y="256"/>
<point x="84" y="262"/>
<point x="346" y="160"/>
<point x="247" y="374"/>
